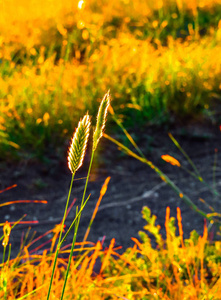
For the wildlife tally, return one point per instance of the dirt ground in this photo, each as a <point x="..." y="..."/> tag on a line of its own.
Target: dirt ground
<point x="132" y="186"/>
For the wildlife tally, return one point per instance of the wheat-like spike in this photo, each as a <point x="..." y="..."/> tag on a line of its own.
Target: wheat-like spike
<point x="78" y="146"/>
<point x="101" y="119"/>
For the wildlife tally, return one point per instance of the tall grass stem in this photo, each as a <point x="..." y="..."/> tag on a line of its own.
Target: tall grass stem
<point x="70" y="255"/>
<point x="76" y="156"/>
<point x="98" y="133"/>
<point x="60" y="235"/>
<point x="164" y="177"/>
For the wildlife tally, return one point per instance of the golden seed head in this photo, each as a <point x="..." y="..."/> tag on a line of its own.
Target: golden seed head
<point x="78" y="146"/>
<point x="101" y="119"/>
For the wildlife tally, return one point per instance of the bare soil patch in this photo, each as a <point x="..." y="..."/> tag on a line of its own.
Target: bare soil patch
<point x="132" y="186"/>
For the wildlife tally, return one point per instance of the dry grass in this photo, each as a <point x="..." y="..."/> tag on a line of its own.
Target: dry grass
<point x="176" y="269"/>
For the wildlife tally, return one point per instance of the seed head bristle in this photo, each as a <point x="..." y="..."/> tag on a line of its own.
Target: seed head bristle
<point x="78" y="145"/>
<point x="101" y="119"/>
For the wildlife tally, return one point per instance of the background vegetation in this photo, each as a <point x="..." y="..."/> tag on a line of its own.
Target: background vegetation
<point x="158" y="58"/>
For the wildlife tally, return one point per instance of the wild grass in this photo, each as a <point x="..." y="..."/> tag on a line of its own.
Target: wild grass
<point x="56" y="60"/>
<point x="158" y="58"/>
<point x="138" y="154"/>
<point x="176" y="268"/>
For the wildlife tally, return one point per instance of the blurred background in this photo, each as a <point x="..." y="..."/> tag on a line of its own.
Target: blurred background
<point x="160" y="59"/>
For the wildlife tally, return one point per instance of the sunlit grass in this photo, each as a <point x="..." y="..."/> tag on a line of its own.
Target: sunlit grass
<point x="138" y="155"/>
<point x="57" y="59"/>
<point x="42" y="101"/>
<point x="176" y="268"/>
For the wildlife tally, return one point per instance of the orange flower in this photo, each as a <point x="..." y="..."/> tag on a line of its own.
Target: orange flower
<point x="171" y="160"/>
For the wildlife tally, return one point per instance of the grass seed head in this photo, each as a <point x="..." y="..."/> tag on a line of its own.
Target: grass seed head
<point x="101" y="119"/>
<point x="78" y="146"/>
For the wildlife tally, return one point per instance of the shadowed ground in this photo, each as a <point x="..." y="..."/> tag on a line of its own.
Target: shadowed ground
<point x="132" y="186"/>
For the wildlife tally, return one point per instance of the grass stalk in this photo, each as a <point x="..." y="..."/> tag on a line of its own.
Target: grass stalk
<point x="59" y="240"/>
<point x="129" y="137"/>
<point x="164" y="177"/>
<point x="78" y="217"/>
<point x="75" y="159"/>
<point x="198" y="175"/>
<point x="98" y="133"/>
<point x="71" y="254"/>
<point x="74" y="221"/>
<point x="3" y="256"/>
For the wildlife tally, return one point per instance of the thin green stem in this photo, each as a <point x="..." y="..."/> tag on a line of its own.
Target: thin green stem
<point x="59" y="245"/>
<point x="9" y="254"/>
<point x="88" y="174"/>
<point x="70" y="255"/>
<point x="66" y="207"/>
<point x="32" y="292"/>
<point x="77" y="225"/>
<point x="160" y="173"/>
<point x="3" y="257"/>
<point x="164" y="177"/>
<point x="198" y="175"/>
<point x="127" y="135"/>
<point x="73" y="223"/>
<point x="212" y="189"/>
